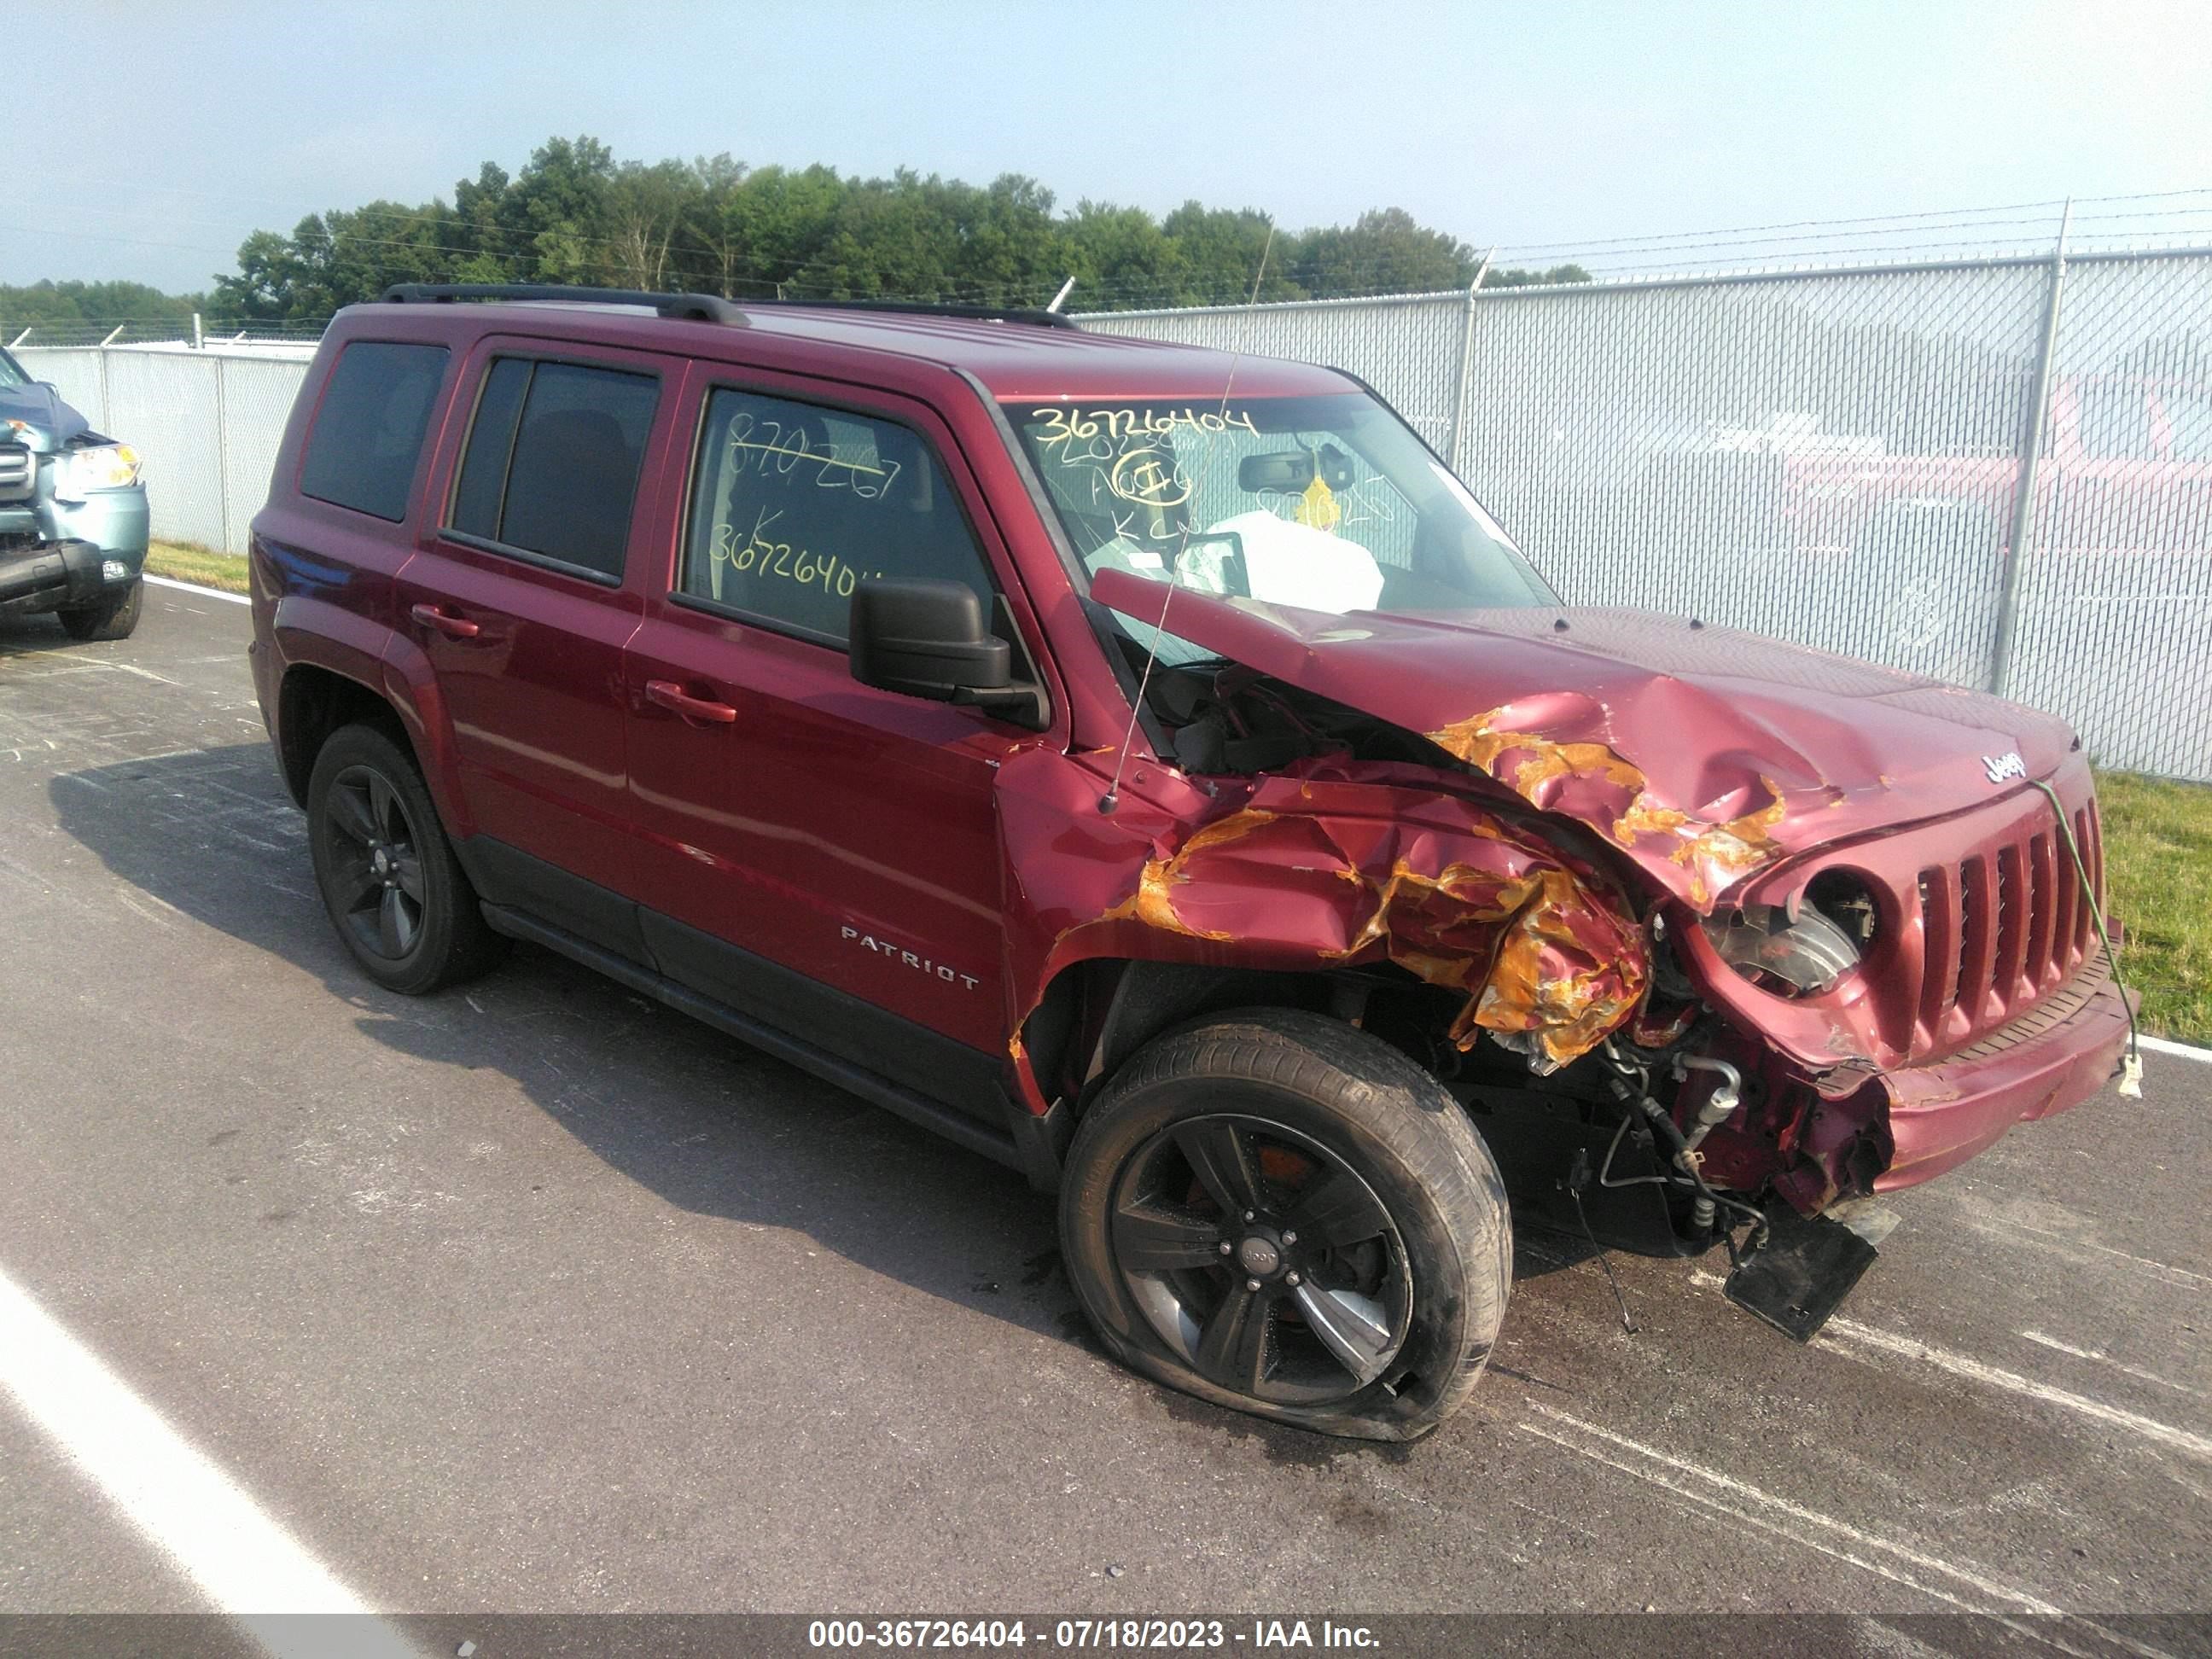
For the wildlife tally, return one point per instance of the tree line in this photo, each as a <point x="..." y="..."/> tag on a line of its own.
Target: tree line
<point x="80" y="305"/>
<point x="575" y="215"/>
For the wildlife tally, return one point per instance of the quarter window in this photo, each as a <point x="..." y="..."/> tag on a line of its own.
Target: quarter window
<point x="793" y="505"/>
<point x="368" y="432"/>
<point x="552" y="461"/>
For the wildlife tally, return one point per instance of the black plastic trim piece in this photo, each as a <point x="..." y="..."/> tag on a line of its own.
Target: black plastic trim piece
<point x="684" y="307"/>
<point x="856" y="1030"/>
<point x="1030" y="314"/>
<point x="1040" y="1143"/>
<point x="512" y="878"/>
<point x="999" y="1146"/>
<point x="582" y="573"/>
<point x="49" y="575"/>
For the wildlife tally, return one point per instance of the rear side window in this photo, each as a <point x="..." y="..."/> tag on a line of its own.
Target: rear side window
<point x="793" y="505"/>
<point x="368" y="431"/>
<point x="552" y="462"/>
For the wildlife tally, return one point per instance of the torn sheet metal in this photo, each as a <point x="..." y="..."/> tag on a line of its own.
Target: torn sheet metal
<point x="1586" y="780"/>
<point x="1705" y="755"/>
<point x="1326" y="866"/>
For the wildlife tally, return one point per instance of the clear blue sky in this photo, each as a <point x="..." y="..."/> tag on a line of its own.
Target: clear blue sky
<point x="174" y="131"/>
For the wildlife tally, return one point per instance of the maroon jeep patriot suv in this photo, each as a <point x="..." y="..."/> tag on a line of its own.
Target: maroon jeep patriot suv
<point x="1152" y="769"/>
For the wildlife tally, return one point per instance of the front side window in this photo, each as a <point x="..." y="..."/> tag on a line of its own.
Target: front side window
<point x="793" y="505"/>
<point x="552" y="462"/>
<point x="369" y="430"/>
<point x="1325" y="503"/>
<point x="11" y="372"/>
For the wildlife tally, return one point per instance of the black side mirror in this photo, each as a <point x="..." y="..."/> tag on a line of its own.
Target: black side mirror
<point x="929" y="639"/>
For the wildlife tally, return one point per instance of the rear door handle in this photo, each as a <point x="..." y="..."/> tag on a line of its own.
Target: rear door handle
<point x="454" y="627"/>
<point x="669" y="694"/>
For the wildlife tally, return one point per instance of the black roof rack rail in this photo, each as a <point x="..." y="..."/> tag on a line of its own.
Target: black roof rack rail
<point x="689" y="307"/>
<point x="934" y="308"/>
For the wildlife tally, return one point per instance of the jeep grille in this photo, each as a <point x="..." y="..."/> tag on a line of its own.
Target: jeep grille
<point x="2006" y="926"/>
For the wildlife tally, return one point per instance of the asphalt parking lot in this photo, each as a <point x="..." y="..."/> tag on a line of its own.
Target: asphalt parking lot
<point x="539" y="1297"/>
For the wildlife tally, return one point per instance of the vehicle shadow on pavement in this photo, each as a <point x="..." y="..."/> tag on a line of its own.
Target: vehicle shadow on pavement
<point x="33" y="634"/>
<point x="703" y="1121"/>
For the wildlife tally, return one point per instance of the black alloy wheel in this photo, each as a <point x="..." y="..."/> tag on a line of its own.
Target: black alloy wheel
<point x="1279" y="1213"/>
<point x="1262" y="1259"/>
<point x="377" y="887"/>
<point x="394" y="890"/>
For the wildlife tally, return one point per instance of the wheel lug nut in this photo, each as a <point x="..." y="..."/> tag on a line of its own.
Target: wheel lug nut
<point x="1251" y="1215"/>
<point x="1292" y="1278"/>
<point x="1289" y="1238"/>
<point x="1226" y="1247"/>
<point x="1251" y="1283"/>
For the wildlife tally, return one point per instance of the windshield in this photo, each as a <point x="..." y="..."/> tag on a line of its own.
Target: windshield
<point x="1326" y="503"/>
<point x="11" y="372"/>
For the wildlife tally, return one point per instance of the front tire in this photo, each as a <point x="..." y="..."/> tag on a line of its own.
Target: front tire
<point x="114" y="617"/>
<point x="1280" y="1214"/>
<point x="389" y="879"/>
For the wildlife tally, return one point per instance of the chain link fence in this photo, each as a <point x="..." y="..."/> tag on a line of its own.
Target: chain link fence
<point x="1840" y="457"/>
<point x="1998" y="473"/>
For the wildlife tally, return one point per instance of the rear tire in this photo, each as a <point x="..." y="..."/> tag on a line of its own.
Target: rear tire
<point x="1377" y="1231"/>
<point x="394" y="891"/>
<point x="111" y="618"/>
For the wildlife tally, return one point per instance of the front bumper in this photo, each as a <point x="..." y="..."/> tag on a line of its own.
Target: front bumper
<point x="55" y="554"/>
<point x="1943" y="1113"/>
<point x="116" y="521"/>
<point x="54" y="576"/>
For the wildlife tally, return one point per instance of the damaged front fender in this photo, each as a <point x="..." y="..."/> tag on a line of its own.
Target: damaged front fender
<point x="1327" y="865"/>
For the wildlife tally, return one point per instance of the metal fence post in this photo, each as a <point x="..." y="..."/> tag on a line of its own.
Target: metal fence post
<point x="1466" y="362"/>
<point x="222" y="461"/>
<point x="2023" y="506"/>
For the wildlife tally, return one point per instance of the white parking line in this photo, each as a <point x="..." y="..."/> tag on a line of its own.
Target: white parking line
<point x="194" y="588"/>
<point x="2043" y="1340"/>
<point x="1840" y="1334"/>
<point x="241" y="1558"/>
<point x="2178" y="1050"/>
<point x="1840" y="1330"/>
<point x="1824" y="1533"/>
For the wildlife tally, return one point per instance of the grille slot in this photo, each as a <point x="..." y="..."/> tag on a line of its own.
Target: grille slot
<point x="2004" y="928"/>
<point x="19" y="470"/>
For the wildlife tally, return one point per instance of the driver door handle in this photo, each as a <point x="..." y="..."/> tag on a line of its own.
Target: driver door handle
<point x="669" y="694"/>
<point x="454" y="627"/>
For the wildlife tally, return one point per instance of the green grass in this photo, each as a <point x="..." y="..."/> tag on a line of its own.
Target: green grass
<point x="182" y="563"/>
<point x="2158" y="864"/>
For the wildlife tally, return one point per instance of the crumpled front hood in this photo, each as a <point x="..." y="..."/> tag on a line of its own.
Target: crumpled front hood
<point x="1703" y="753"/>
<point x="48" y="423"/>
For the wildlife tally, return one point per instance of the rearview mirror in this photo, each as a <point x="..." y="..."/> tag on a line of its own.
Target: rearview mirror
<point x="929" y="639"/>
<point x="1287" y="471"/>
